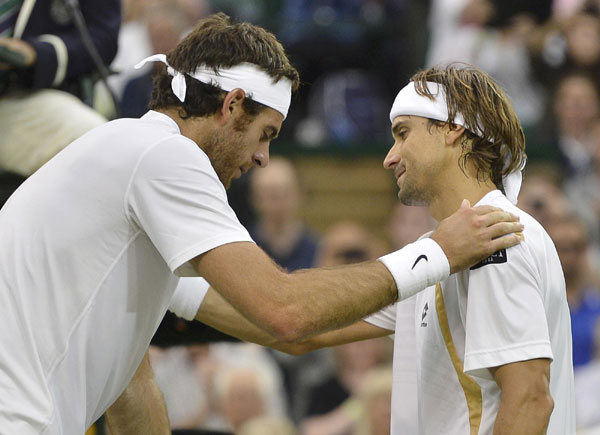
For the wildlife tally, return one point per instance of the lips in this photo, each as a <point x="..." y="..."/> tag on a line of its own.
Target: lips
<point x="399" y="171"/>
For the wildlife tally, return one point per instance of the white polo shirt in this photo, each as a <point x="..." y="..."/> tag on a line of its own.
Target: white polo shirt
<point x="91" y="249"/>
<point x="511" y="307"/>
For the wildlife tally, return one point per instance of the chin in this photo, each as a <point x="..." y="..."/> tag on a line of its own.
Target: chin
<point x="412" y="198"/>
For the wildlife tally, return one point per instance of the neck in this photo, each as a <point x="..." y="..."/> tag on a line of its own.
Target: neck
<point x="192" y="127"/>
<point x="454" y="189"/>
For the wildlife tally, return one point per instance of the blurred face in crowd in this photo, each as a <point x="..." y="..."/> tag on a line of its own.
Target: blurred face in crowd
<point x="570" y="239"/>
<point x="542" y="199"/>
<point x="576" y="104"/>
<point x="346" y="243"/>
<point x="407" y="224"/>
<point x="243" y="399"/>
<point x="583" y="39"/>
<point x="275" y="191"/>
<point x="165" y="24"/>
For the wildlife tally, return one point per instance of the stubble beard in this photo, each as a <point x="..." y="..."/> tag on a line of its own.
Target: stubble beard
<point x="218" y="149"/>
<point x="409" y="194"/>
<point x="223" y="150"/>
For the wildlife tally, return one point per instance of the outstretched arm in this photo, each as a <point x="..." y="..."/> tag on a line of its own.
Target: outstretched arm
<point x="141" y="408"/>
<point x="216" y="312"/>
<point x="293" y="307"/>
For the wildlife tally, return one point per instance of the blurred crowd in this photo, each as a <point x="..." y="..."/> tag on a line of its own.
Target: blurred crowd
<point x="353" y="56"/>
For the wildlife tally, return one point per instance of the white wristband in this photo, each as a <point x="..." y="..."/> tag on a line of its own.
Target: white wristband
<point x="188" y="296"/>
<point x="417" y="266"/>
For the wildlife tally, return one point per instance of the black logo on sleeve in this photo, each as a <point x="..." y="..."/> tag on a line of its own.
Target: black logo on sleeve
<point x="419" y="258"/>
<point x="496" y="258"/>
<point x="424" y="314"/>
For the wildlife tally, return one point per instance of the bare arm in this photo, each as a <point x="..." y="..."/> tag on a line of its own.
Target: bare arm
<point x="293" y="307"/>
<point x="526" y="403"/>
<point x="141" y="408"/>
<point x="216" y="312"/>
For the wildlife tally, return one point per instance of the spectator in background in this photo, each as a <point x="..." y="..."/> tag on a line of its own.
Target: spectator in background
<point x="246" y="384"/>
<point x="584" y="194"/>
<point x="276" y="197"/>
<point x="568" y="42"/>
<point x="541" y="194"/>
<point x="327" y="407"/>
<point x="218" y="386"/>
<point x="165" y="21"/>
<point x="375" y="398"/>
<point x="408" y="223"/>
<point x="134" y="45"/>
<point x="182" y="374"/>
<point x="331" y="410"/>
<point x="136" y="41"/>
<point x="43" y="60"/>
<point x="570" y="236"/>
<point x="568" y="139"/>
<point x="347" y="242"/>
<point x="493" y="35"/>
<point x="587" y="385"/>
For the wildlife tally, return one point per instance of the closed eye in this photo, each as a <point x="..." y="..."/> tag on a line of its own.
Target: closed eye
<point x="269" y="134"/>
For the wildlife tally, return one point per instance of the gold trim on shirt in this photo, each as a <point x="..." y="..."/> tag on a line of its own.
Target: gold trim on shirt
<point x="471" y="389"/>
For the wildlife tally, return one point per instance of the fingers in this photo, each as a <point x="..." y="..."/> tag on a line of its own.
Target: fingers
<point x="483" y="210"/>
<point x="497" y="216"/>
<point x="504" y="242"/>
<point x="504" y="228"/>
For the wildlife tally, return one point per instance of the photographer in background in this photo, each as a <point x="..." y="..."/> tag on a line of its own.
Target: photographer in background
<point x="44" y="58"/>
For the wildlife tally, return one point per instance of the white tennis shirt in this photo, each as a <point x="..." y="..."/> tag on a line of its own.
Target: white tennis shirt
<point x="511" y="307"/>
<point x="91" y="247"/>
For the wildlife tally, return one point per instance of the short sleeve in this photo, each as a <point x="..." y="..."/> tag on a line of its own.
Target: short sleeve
<point x="188" y="297"/>
<point x="384" y="318"/>
<point x="506" y="321"/>
<point x="176" y="197"/>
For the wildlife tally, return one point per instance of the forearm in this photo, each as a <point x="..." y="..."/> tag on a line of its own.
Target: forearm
<point x="335" y="298"/>
<point x="141" y="408"/>
<point x="216" y="312"/>
<point x="293" y="307"/>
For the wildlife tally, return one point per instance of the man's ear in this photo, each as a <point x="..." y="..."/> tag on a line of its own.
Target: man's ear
<point x="453" y="133"/>
<point x="231" y="103"/>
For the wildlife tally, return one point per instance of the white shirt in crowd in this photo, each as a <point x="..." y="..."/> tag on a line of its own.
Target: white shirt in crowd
<point x="92" y="247"/>
<point x="511" y="307"/>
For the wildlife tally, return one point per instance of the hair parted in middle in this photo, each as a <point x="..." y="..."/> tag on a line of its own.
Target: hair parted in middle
<point x="499" y="147"/>
<point x="217" y="42"/>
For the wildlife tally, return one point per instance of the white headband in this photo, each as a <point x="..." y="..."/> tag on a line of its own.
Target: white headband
<point x="409" y="102"/>
<point x="257" y="84"/>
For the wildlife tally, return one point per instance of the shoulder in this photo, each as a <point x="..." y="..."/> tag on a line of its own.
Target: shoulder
<point x="534" y="235"/>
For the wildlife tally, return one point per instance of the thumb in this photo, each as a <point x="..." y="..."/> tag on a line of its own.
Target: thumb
<point x="465" y="204"/>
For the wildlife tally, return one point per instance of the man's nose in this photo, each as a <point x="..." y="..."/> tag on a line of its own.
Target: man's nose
<point x="261" y="158"/>
<point x="392" y="158"/>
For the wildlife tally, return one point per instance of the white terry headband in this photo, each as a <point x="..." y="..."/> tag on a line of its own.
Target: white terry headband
<point x="409" y="102"/>
<point x="257" y="84"/>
